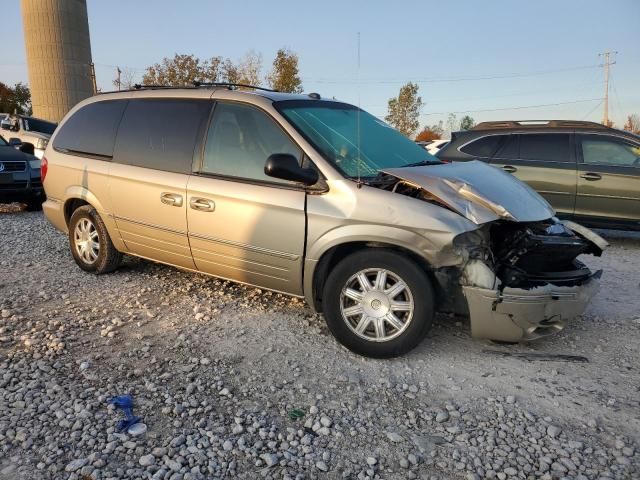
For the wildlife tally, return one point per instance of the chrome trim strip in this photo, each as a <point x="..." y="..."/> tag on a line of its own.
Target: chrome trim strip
<point x="150" y="225"/>
<point x="245" y="246"/>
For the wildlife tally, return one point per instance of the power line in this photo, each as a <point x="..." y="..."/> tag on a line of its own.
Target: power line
<point x="455" y="79"/>
<point x="593" y="109"/>
<point x="522" y="107"/>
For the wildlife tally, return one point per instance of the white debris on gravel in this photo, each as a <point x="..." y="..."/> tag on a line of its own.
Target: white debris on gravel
<point x="220" y="374"/>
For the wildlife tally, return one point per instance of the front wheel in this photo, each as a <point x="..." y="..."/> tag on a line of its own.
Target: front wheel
<point x="90" y="243"/>
<point x="378" y="303"/>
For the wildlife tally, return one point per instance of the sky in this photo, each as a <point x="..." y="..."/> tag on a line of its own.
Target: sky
<point x="490" y="59"/>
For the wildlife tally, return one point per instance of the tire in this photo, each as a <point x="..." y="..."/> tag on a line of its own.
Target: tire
<point x="34" y="205"/>
<point x="86" y="226"/>
<point x="414" y="305"/>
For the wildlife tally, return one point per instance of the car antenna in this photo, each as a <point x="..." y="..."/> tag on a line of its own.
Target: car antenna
<point x="359" y="182"/>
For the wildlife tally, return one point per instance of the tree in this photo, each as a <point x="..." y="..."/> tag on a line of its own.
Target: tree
<point x="181" y="70"/>
<point x="127" y="79"/>
<point x="404" y="110"/>
<point x="452" y="124"/>
<point x="284" y="76"/>
<point x="633" y="124"/>
<point x="428" y="133"/>
<point x="249" y="68"/>
<point x="467" y="123"/>
<point x="16" y="99"/>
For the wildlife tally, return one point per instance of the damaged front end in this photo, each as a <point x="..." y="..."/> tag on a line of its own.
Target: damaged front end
<point x="519" y="276"/>
<point x="522" y="281"/>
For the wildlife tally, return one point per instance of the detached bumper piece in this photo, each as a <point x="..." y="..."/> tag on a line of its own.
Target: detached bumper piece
<point x="516" y="314"/>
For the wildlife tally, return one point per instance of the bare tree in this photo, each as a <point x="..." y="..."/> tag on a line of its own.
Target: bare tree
<point x="633" y="123"/>
<point x="249" y="68"/>
<point x="127" y="79"/>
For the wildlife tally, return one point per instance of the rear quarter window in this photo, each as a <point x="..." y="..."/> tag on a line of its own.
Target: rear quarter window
<point x="92" y="129"/>
<point x="161" y="133"/>
<point x="484" y="147"/>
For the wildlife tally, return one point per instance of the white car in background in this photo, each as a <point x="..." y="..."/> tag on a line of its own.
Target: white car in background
<point x="433" y="146"/>
<point x="28" y="130"/>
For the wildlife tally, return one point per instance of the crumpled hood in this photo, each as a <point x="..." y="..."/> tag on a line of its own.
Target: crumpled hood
<point x="477" y="191"/>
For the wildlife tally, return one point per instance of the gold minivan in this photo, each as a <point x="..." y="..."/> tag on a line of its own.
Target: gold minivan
<point x="318" y="199"/>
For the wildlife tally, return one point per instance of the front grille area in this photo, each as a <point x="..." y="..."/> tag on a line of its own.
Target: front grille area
<point x="13" y="166"/>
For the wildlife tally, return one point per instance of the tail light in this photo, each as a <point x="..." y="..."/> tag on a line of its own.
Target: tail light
<point x="44" y="166"/>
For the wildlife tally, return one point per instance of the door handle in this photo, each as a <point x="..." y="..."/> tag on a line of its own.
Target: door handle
<point x="591" y="176"/>
<point x="172" y="199"/>
<point x="509" y="168"/>
<point x="202" y="204"/>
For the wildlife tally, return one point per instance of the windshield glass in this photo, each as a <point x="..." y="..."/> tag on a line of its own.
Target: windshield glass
<point x="3" y="142"/>
<point x="37" y="125"/>
<point x="339" y="130"/>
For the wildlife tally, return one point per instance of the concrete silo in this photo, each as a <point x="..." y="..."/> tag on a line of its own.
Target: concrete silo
<point x="56" y="34"/>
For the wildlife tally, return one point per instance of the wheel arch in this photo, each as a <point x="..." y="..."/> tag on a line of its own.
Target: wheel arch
<point x="78" y="196"/>
<point x="319" y="270"/>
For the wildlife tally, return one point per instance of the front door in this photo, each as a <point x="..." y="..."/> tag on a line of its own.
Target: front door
<point x="148" y="178"/>
<point x="609" y="179"/>
<point x="243" y="225"/>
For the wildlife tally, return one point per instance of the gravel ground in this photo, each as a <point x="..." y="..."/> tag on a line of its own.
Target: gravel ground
<point x="219" y="372"/>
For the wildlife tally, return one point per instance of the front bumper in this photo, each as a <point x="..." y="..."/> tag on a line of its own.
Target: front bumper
<point x="517" y="314"/>
<point x="21" y="194"/>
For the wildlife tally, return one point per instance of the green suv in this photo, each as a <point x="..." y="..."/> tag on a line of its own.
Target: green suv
<point x="587" y="172"/>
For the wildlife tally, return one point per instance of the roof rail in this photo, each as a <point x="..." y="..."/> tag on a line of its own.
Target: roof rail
<point x="230" y="86"/>
<point x="538" y="124"/>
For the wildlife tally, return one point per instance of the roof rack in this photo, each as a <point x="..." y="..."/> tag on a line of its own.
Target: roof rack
<point x="230" y="86"/>
<point x="193" y="85"/>
<point x="538" y="124"/>
<point x="139" y="86"/>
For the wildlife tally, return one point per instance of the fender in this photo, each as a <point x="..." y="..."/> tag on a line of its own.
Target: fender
<point x="437" y="250"/>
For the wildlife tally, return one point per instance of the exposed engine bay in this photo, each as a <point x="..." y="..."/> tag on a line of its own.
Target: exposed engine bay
<point x="519" y="277"/>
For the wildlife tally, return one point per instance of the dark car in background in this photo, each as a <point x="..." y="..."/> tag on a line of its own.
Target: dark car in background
<point x="588" y="172"/>
<point x="20" y="175"/>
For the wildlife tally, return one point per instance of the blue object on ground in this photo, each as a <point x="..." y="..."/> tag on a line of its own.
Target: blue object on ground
<point x="125" y="403"/>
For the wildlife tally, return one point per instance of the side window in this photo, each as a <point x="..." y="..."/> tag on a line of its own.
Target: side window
<point x="601" y="150"/>
<point x="92" y="129"/>
<point x="240" y="140"/>
<point x="546" y="147"/>
<point x="484" y="147"/>
<point x="509" y="148"/>
<point x="161" y="133"/>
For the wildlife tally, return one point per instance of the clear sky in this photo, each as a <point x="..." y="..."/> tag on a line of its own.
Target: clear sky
<point x="466" y="55"/>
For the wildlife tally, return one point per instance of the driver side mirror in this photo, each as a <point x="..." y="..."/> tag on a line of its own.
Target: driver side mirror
<point x="286" y="167"/>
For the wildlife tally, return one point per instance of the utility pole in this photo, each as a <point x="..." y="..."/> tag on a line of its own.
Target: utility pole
<point x="118" y="82"/>
<point x="606" y="64"/>
<point x="92" y="72"/>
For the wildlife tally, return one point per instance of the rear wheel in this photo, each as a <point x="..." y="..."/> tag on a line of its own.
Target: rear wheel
<point x="90" y="243"/>
<point x="378" y="303"/>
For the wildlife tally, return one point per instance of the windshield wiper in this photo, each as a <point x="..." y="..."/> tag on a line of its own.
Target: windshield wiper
<point x="422" y="163"/>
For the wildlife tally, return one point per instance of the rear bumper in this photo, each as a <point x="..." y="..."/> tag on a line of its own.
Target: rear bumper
<point x="517" y="314"/>
<point x="54" y="212"/>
